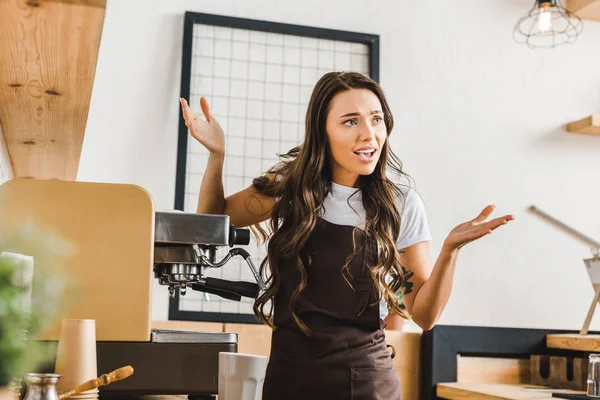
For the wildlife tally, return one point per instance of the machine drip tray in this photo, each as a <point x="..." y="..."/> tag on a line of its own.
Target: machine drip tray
<point x="168" y="336"/>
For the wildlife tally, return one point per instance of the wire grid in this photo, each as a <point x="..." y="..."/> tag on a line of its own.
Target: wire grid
<point x="258" y="85"/>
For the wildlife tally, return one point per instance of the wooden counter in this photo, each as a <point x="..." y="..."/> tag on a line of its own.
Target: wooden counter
<point x="256" y="339"/>
<point x="573" y="341"/>
<point x="491" y="391"/>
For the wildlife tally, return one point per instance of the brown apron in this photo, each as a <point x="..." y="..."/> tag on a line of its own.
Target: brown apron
<point x="345" y="356"/>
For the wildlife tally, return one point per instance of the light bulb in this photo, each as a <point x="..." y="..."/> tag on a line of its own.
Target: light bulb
<point x="547" y="24"/>
<point x="545" y="21"/>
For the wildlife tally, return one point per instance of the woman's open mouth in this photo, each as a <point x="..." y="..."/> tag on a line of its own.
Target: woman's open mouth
<point x="366" y="155"/>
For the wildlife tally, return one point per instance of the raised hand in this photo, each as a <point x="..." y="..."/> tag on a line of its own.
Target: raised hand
<point x="475" y="229"/>
<point x="205" y="130"/>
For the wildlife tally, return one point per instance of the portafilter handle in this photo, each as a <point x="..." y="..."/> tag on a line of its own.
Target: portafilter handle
<point x="229" y="288"/>
<point x="201" y="287"/>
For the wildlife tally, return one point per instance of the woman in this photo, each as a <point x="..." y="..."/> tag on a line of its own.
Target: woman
<point x="344" y="238"/>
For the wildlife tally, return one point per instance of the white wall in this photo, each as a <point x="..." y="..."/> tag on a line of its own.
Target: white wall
<point x="479" y="120"/>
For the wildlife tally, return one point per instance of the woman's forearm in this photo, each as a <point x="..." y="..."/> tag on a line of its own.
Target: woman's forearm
<point x="211" y="199"/>
<point x="432" y="297"/>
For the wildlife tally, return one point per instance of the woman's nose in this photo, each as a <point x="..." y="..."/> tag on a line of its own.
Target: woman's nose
<point x="367" y="133"/>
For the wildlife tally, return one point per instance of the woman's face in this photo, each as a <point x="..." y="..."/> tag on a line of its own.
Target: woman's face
<point x="356" y="132"/>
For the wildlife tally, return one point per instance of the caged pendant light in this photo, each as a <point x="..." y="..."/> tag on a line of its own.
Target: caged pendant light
<point x="547" y="24"/>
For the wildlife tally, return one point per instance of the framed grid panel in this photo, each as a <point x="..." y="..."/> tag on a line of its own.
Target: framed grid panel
<point x="258" y="77"/>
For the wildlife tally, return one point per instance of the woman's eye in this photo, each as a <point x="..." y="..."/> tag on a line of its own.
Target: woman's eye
<point x="350" y="122"/>
<point x="377" y="119"/>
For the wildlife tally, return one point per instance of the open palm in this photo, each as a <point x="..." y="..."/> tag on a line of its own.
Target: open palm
<point x="475" y="229"/>
<point x="207" y="131"/>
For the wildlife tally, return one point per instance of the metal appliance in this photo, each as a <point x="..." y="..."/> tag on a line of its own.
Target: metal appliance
<point x="185" y="245"/>
<point x="183" y="362"/>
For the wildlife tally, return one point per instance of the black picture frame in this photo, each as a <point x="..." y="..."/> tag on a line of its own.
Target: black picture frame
<point x="192" y="18"/>
<point x="441" y="346"/>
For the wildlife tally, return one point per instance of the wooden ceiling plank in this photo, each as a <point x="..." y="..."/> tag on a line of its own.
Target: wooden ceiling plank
<point x="48" y="55"/>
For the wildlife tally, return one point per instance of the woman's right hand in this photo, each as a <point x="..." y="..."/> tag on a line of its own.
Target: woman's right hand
<point x="208" y="132"/>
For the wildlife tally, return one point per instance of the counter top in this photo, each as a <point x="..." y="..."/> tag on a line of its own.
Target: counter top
<point x="493" y="391"/>
<point x="573" y="341"/>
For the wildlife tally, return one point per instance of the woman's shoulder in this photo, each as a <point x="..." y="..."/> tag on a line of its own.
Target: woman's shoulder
<point x="409" y="198"/>
<point x="414" y="225"/>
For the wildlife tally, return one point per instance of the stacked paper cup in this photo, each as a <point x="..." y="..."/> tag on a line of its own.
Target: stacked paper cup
<point x="76" y="356"/>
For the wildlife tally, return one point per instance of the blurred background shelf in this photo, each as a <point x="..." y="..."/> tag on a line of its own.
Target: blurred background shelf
<point x="585" y="9"/>
<point x="589" y="125"/>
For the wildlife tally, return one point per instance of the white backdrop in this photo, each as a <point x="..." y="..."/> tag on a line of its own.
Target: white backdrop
<point x="479" y="120"/>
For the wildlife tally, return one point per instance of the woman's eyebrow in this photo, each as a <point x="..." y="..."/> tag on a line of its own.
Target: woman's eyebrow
<point x="357" y="114"/>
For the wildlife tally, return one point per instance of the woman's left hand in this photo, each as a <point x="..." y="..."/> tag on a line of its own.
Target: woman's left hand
<point x="474" y="229"/>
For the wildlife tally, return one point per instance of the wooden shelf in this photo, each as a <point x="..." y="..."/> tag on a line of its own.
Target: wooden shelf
<point x="573" y="341"/>
<point x="589" y="125"/>
<point x="494" y="391"/>
<point x="585" y="9"/>
<point x="48" y="55"/>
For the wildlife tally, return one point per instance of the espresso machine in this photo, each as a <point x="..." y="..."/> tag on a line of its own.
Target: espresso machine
<point x="121" y="245"/>
<point x="175" y="362"/>
<point x="185" y="245"/>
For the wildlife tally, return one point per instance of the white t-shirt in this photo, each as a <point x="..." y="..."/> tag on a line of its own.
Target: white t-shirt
<point x="343" y="206"/>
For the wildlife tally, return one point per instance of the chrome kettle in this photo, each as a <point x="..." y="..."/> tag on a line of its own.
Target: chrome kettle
<point x="41" y="386"/>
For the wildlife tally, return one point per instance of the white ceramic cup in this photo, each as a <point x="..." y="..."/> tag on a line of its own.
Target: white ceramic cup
<point x="241" y="376"/>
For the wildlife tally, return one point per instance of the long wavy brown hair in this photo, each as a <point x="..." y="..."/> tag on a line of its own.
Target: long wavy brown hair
<point x="302" y="181"/>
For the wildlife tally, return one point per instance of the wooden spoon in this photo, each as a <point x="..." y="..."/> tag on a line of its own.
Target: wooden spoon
<point x="103" y="380"/>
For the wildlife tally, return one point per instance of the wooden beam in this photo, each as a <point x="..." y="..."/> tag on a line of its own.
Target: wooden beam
<point x="585" y="9"/>
<point x="48" y="54"/>
<point x="589" y="125"/>
<point x="91" y="3"/>
<point x="588" y="343"/>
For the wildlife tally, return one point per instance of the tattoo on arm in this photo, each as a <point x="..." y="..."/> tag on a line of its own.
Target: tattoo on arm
<point x="406" y="283"/>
